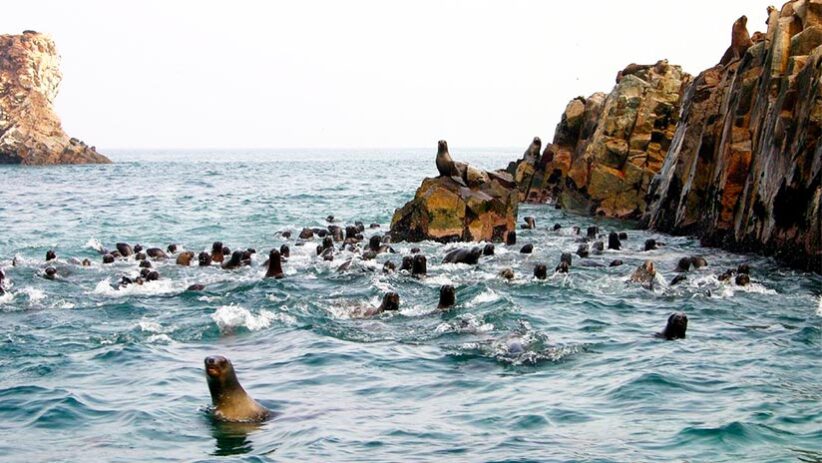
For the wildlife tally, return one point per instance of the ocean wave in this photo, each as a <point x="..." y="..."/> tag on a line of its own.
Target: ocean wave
<point x="149" y="288"/>
<point x="230" y="317"/>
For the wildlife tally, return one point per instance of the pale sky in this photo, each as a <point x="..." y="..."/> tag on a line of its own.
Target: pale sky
<point x="354" y="74"/>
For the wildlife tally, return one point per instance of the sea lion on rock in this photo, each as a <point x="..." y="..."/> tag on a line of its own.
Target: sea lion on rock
<point x="645" y="275"/>
<point x="527" y="249"/>
<point x="463" y="256"/>
<point x="185" y="258"/>
<point x="419" y="266"/>
<point x="488" y="250"/>
<point x="675" y="328"/>
<point x="50" y="255"/>
<point x="613" y="241"/>
<point x="124" y="249"/>
<point x="231" y="402"/>
<point x="448" y="297"/>
<point x="217" y="252"/>
<point x="445" y="165"/>
<point x="235" y="261"/>
<point x="275" y="268"/>
<point x="740" y="42"/>
<point x="541" y="271"/>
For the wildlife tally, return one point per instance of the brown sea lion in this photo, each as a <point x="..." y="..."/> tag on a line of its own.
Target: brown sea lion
<point x="645" y="275"/>
<point x="740" y="41"/>
<point x="217" y="252"/>
<point x="156" y="253"/>
<point x="125" y="249"/>
<point x="275" y="268"/>
<point x="463" y="256"/>
<point x="231" y="402"/>
<point x="445" y="165"/>
<point x="185" y="258"/>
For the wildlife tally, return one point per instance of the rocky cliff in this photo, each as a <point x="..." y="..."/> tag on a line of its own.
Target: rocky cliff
<point x="470" y="205"/>
<point x="30" y="131"/>
<point x="607" y="148"/>
<point x="744" y="169"/>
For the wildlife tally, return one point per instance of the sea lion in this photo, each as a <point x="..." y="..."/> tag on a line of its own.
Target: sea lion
<point x="86" y="263"/>
<point x="445" y="165"/>
<point x="185" y="258"/>
<point x="351" y="232"/>
<point x="623" y="236"/>
<point x="138" y="247"/>
<point x="527" y="249"/>
<point x="583" y="251"/>
<point x="144" y="272"/>
<point x="415" y="250"/>
<point x="650" y="244"/>
<point x="488" y="250"/>
<point x="145" y="264"/>
<point x="156" y="253"/>
<point x="336" y="232"/>
<point x="172" y="249"/>
<point x="50" y="273"/>
<point x="275" y="268"/>
<point x="196" y="287"/>
<point x="389" y="267"/>
<point x="407" y="263"/>
<point x="328" y="254"/>
<point x="153" y="275"/>
<point x="678" y="279"/>
<point x="419" y="266"/>
<point x="286" y="234"/>
<point x="360" y="226"/>
<point x="463" y="256"/>
<point x="613" y="241"/>
<point x="374" y="225"/>
<point x="557" y="227"/>
<point x="507" y="274"/>
<point x="306" y="234"/>
<point x="683" y="265"/>
<point x="124" y="249"/>
<point x="540" y="272"/>
<point x="204" y="259"/>
<point x="563" y="267"/>
<point x="235" y="261"/>
<point x="369" y="255"/>
<point x="598" y="247"/>
<point x="108" y="259"/>
<point x="511" y="238"/>
<point x="567" y="258"/>
<point x="50" y="255"/>
<point x="217" y="252"/>
<point x="592" y="232"/>
<point x="740" y="42"/>
<point x="675" y="328"/>
<point x="530" y="223"/>
<point x="743" y="269"/>
<point x="320" y="232"/>
<point x="448" y="297"/>
<point x="374" y="243"/>
<point x="645" y="275"/>
<point x="319" y="249"/>
<point x="575" y="229"/>
<point x="231" y="402"/>
<point x="390" y="303"/>
<point x="615" y="263"/>
<point x="329" y="219"/>
<point x="531" y="154"/>
<point x="743" y="279"/>
<point x="699" y="262"/>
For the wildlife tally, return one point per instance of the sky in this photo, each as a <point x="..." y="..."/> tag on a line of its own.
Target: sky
<point x="354" y="74"/>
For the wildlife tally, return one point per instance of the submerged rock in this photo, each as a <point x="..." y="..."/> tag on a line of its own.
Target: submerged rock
<point x="30" y="131"/>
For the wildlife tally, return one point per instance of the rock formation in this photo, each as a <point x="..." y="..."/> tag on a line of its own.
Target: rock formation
<point x="474" y="205"/>
<point x="606" y="149"/>
<point x="30" y="131"/>
<point x="744" y="169"/>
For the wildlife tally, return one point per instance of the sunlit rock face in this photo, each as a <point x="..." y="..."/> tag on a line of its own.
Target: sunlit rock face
<point x="30" y="131"/>
<point x="744" y="169"/>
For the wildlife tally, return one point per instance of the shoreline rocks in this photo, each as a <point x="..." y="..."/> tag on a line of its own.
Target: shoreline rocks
<point x="30" y="130"/>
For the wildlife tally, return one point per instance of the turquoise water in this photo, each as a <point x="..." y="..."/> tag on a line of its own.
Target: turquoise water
<point x="90" y="373"/>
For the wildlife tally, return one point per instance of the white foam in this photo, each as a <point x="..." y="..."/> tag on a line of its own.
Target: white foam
<point x="149" y="288"/>
<point x="229" y="317"/>
<point x="150" y="326"/>
<point x="93" y="243"/>
<point x="159" y="339"/>
<point x="8" y="297"/>
<point x="819" y="309"/>
<point x="33" y="294"/>
<point x="484" y="297"/>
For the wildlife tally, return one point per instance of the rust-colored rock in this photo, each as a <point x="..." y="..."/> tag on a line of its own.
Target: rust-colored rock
<point x="30" y="131"/>
<point x="479" y="206"/>
<point x="744" y="169"/>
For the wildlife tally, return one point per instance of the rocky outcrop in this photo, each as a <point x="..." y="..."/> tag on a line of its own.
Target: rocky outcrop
<point x="744" y="168"/>
<point x="30" y="131"/>
<point x="473" y="205"/>
<point x="607" y="148"/>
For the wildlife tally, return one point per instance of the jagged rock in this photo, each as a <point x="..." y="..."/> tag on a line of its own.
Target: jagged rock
<point x="30" y="131"/>
<point x="480" y="206"/>
<point x="744" y="169"/>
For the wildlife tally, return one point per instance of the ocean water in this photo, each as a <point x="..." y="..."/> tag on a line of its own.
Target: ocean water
<point x="92" y="373"/>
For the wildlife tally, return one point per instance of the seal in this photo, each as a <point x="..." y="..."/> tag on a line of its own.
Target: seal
<point x="540" y="272"/>
<point x="389" y="267"/>
<point x="419" y="267"/>
<point x="699" y="262"/>
<point x="172" y="248"/>
<point x="306" y="234"/>
<point x="463" y="256"/>
<point x="683" y="265"/>
<point x="740" y="42"/>
<point x="275" y="268"/>
<point x="650" y="244"/>
<point x="124" y="249"/>
<point x="108" y="259"/>
<point x="511" y="238"/>
<point x="217" y="252"/>
<point x="743" y="279"/>
<point x="527" y="249"/>
<point x="156" y="253"/>
<point x="445" y="165"/>
<point x="563" y="267"/>
<point x="204" y="259"/>
<point x="507" y="274"/>
<point x="448" y="297"/>
<point x="50" y="255"/>
<point x="675" y="328"/>
<point x="235" y="261"/>
<point x="567" y="258"/>
<point x="145" y="264"/>
<point x="231" y="402"/>
<point x="407" y="263"/>
<point x="613" y="241"/>
<point x="488" y="250"/>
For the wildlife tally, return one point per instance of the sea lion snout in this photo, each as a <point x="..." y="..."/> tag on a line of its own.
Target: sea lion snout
<point x="215" y="364"/>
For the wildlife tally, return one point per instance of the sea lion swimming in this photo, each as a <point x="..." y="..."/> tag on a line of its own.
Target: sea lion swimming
<point x="145" y="264"/>
<point x="527" y="249"/>
<point x="235" y="261"/>
<point x="448" y="297"/>
<point x="507" y="274"/>
<point x="445" y="165"/>
<point x="388" y="267"/>
<point x="650" y="244"/>
<point x="285" y="251"/>
<point x="675" y="328"/>
<point x="613" y="241"/>
<point x="275" y="268"/>
<point x="217" y="252"/>
<point x="185" y="258"/>
<point x="583" y="250"/>
<point x="540" y="272"/>
<point x="156" y="253"/>
<point x="124" y="249"/>
<point x="108" y="259"/>
<point x="530" y="223"/>
<point x="390" y="302"/>
<point x="204" y="259"/>
<point x="407" y="263"/>
<point x="419" y="267"/>
<point x="172" y="248"/>
<point x="645" y="275"/>
<point x="683" y="265"/>
<point x="463" y="256"/>
<point x="231" y="402"/>
<point x="50" y="255"/>
<point x="488" y="250"/>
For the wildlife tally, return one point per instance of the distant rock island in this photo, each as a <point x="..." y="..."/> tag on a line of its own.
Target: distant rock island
<point x="30" y="131"/>
<point x="733" y="156"/>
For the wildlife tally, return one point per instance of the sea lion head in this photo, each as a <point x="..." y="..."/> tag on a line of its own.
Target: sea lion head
<point x="419" y="265"/>
<point x="217" y="246"/>
<point x="391" y="301"/>
<point x="275" y="268"/>
<point x="541" y="272"/>
<point x="442" y="147"/>
<point x="220" y="376"/>
<point x="204" y="259"/>
<point x="448" y="297"/>
<point x="488" y="250"/>
<point x="374" y="243"/>
<point x="743" y="20"/>
<point x="676" y="327"/>
<point x="50" y="255"/>
<point x="285" y="251"/>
